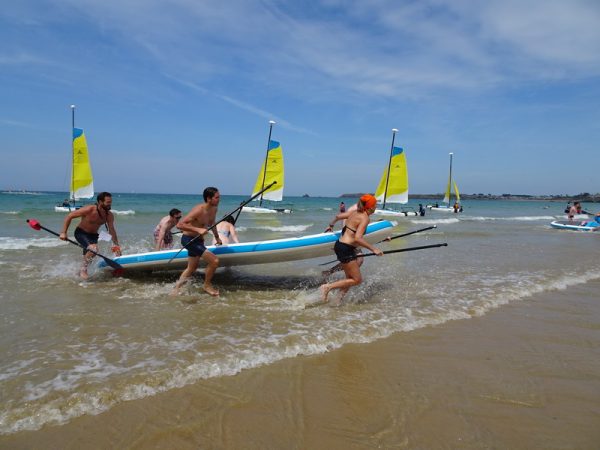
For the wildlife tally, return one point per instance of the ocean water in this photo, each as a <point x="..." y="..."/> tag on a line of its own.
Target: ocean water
<point x="70" y="348"/>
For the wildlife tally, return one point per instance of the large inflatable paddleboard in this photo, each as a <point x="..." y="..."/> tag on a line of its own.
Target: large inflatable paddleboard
<point x="260" y="252"/>
<point x="586" y="225"/>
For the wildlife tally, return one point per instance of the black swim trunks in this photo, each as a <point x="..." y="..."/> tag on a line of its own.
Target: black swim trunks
<point x="344" y="252"/>
<point x="196" y="248"/>
<point x="86" y="239"/>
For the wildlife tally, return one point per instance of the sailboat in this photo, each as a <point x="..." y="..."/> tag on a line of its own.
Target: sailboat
<point x="271" y="170"/>
<point x="451" y="184"/>
<point x="82" y="181"/>
<point x="393" y="185"/>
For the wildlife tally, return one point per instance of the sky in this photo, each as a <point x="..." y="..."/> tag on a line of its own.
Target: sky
<point x="176" y="95"/>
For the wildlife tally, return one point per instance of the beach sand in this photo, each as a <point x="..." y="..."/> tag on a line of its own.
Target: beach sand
<point x="524" y="376"/>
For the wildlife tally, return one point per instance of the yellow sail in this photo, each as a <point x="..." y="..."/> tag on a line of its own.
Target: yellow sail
<point x="273" y="172"/>
<point x="397" y="182"/>
<point x="456" y="192"/>
<point x="82" y="182"/>
<point x="447" y="194"/>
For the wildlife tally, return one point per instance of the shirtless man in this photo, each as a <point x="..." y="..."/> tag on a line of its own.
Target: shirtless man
<point x="194" y="226"/>
<point x="163" y="238"/>
<point x="86" y="233"/>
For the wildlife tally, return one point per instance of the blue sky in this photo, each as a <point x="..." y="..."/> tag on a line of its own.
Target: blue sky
<point x="176" y="95"/>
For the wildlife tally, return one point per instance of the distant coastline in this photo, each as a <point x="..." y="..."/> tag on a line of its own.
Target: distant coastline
<point x="584" y="198"/>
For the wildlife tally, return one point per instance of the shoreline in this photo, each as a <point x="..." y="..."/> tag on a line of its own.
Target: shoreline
<point x="526" y="375"/>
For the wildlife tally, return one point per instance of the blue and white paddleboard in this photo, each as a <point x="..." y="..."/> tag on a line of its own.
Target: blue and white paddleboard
<point x="588" y="225"/>
<point x="260" y="252"/>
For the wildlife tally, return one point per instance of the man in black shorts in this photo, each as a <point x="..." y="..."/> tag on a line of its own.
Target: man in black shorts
<point x="194" y="226"/>
<point x="86" y="233"/>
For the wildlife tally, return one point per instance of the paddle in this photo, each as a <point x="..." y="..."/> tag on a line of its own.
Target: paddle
<point x="409" y="249"/>
<point x="37" y="226"/>
<point x="407" y="234"/>
<point x="239" y="208"/>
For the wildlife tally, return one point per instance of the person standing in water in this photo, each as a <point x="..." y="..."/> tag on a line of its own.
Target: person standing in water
<point x="86" y="233"/>
<point x="163" y="237"/>
<point x="226" y="230"/>
<point x="347" y="245"/>
<point x="194" y="226"/>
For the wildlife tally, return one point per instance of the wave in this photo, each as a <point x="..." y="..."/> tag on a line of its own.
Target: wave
<point x="11" y="243"/>
<point x="10" y="212"/>
<point x="516" y="218"/>
<point x="127" y="212"/>
<point x="43" y="407"/>
<point x="23" y="193"/>
<point x="435" y="221"/>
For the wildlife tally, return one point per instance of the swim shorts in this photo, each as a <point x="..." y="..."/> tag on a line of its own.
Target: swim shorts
<point x="85" y="239"/>
<point x="344" y="252"/>
<point x="196" y="248"/>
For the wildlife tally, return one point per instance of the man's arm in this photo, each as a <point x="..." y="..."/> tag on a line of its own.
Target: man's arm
<point x="81" y="212"/>
<point x="186" y="224"/>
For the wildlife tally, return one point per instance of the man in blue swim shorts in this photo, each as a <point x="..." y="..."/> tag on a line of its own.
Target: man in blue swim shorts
<point x="194" y="226"/>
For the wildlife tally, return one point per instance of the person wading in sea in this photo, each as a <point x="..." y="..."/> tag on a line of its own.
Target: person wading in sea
<point x="194" y="225"/>
<point x="86" y="233"/>
<point x="163" y="238"/>
<point x="347" y="245"/>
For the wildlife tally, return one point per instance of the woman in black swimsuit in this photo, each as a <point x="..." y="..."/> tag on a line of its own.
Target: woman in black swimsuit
<point x="345" y="248"/>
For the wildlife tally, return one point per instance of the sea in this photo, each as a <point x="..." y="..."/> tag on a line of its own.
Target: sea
<point x="70" y="348"/>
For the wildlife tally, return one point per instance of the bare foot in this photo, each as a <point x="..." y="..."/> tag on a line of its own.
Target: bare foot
<point x="174" y="292"/>
<point x="324" y="288"/>
<point x="83" y="274"/>
<point x="211" y="290"/>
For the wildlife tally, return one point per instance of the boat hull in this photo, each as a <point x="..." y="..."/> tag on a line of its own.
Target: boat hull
<point x="573" y="226"/>
<point x="392" y="213"/>
<point x="66" y="208"/>
<point x="260" y="252"/>
<point x="441" y="209"/>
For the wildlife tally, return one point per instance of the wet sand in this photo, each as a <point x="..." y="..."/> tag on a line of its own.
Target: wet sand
<point x="524" y="376"/>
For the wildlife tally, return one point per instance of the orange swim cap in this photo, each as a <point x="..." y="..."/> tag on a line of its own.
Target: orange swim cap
<point x="368" y="201"/>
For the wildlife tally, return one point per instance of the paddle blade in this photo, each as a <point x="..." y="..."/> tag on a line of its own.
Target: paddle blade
<point x="34" y="224"/>
<point x="118" y="272"/>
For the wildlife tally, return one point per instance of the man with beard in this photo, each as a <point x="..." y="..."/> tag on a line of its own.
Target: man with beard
<point x="86" y="233"/>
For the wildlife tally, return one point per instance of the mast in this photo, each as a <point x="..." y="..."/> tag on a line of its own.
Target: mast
<point x="450" y="179"/>
<point x="72" y="154"/>
<point x="271" y="123"/>
<point x="387" y="180"/>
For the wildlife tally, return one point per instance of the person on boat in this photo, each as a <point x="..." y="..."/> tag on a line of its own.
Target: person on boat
<point x="421" y="210"/>
<point x="163" y="237"/>
<point x="346" y="246"/>
<point x="226" y="230"/>
<point x="456" y="207"/>
<point x="574" y="210"/>
<point x="194" y="226"/>
<point x="342" y="207"/>
<point x="86" y="233"/>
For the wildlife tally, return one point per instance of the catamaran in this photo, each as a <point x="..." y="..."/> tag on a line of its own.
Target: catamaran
<point x="271" y="170"/>
<point x="393" y="185"/>
<point x="82" y="181"/>
<point x="456" y="208"/>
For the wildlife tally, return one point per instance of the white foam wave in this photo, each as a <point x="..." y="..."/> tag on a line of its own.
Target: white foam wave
<point x="10" y="212"/>
<point x="127" y="212"/>
<point x="334" y="332"/>
<point x="12" y="243"/>
<point x="516" y="218"/>
<point x="435" y="221"/>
